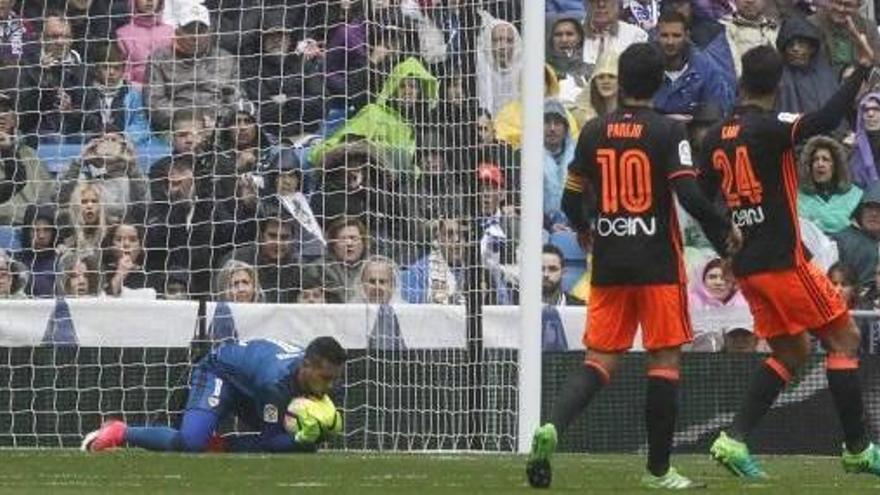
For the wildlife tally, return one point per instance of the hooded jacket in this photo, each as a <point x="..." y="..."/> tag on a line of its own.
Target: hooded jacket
<point x="804" y="89"/>
<point x="699" y="296"/>
<point x="863" y="164"/>
<point x="829" y="209"/>
<point x="700" y="83"/>
<point x="381" y="124"/>
<point x="567" y="64"/>
<point x="556" y="166"/>
<point x="143" y="35"/>
<point x="496" y="87"/>
<point x="856" y="247"/>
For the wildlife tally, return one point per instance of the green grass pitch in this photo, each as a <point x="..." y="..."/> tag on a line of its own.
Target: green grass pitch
<point x="138" y="472"/>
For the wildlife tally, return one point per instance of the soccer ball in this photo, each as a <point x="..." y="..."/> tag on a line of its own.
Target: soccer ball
<point x="307" y="414"/>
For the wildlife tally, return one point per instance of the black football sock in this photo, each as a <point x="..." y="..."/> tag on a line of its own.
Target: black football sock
<point x="661" y="409"/>
<point x="579" y="390"/>
<point x="846" y="390"/>
<point x="767" y="383"/>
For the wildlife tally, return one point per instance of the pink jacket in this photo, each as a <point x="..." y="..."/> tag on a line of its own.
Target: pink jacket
<point x="699" y="297"/>
<point x="139" y="38"/>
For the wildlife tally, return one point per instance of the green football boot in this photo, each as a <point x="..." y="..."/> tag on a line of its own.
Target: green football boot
<point x="734" y="456"/>
<point x="867" y="461"/>
<point x="538" y="468"/>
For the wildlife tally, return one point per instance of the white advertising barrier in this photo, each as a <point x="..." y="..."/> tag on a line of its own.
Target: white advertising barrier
<point x="99" y="322"/>
<point x="421" y="326"/>
<point x="141" y="323"/>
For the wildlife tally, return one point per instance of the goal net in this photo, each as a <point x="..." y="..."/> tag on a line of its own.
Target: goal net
<point x="175" y="173"/>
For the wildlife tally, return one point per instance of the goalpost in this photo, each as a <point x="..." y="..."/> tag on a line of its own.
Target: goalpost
<point x="444" y="332"/>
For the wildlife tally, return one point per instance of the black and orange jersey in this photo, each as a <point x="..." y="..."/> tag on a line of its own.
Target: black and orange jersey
<point x="625" y="161"/>
<point x="749" y="159"/>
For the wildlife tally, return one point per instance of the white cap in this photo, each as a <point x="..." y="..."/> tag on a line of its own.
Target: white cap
<point x="194" y="13"/>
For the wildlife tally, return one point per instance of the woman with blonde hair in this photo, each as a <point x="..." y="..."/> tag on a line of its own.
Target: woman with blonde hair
<point x="238" y="282"/>
<point x="87" y="217"/>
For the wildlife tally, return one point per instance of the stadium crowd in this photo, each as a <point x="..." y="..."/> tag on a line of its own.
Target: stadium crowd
<point x="340" y="151"/>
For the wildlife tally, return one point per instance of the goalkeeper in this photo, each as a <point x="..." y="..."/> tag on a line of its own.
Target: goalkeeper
<point x="254" y="380"/>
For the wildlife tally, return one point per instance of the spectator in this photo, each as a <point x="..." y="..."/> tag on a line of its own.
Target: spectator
<point x="87" y="217"/>
<point x="378" y="284"/>
<point x="144" y="34"/>
<point x="121" y="106"/>
<point x="499" y="63"/>
<point x="347" y="56"/>
<point x="38" y="238"/>
<point x="807" y="79"/>
<point x="558" y="154"/>
<point x="285" y="180"/>
<point x="858" y="244"/>
<point x="641" y="13"/>
<point x="490" y="149"/>
<point x="78" y="275"/>
<point x="214" y="172"/>
<point x="174" y="286"/>
<point x="846" y="283"/>
<point x="191" y="74"/>
<point x="14" y="35"/>
<point x="13" y="277"/>
<point x="347" y="247"/>
<point x="93" y="22"/>
<point x="826" y="197"/>
<point x="740" y="341"/>
<point x="243" y="142"/>
<point x="865" y="161"/>
<point x="313" y="291"/>
<point x="388" y="123"/>
<point x="713" y="286"/>
<point x="565" y="54"/>
<point x="182" y="229"/>
<point x="123" y="258"/>
<point x="599" y="97"/>
<point x="748" y="27"/>
<point x="23" y="179"/>
<point x="701" y="120"/>
<point x="108" y="160"/>
<point x="496" y="242"/>
<point x="605" y="31"/>
<point x="285" y="83"/>
<point x="691" y="79"/>
<point x="837" y="44"/>
<point x="274" y="256"/>
<point x="344" y="188"/>
<point x="53" y="90"/>
<point x="707" y="34"/>
<point x="552" y="266"/>
<point x="238" y="282"/>
<point x="439" y="276"/>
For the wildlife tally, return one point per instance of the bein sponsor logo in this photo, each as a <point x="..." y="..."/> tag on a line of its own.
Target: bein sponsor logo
<point x="626" y="226"/>
<point x="747" y="217"/>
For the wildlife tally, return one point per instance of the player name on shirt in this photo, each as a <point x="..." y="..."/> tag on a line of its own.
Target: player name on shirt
<point x="624" y="130"/>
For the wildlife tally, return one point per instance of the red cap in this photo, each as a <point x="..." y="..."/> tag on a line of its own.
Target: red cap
<point x="490" y="172"/>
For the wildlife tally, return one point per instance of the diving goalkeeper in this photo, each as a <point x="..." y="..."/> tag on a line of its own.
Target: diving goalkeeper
<point x="254" y="380"/>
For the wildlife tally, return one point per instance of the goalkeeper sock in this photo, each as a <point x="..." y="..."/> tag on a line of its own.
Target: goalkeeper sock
<point x="846" y="390"/>
<point x="579" y="389"/>
<point x="152" y="437"/>
<point x="661" y="409"/>
<point x="767" y="383"/>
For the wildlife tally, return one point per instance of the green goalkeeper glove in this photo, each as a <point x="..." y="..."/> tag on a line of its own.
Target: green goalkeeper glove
<point x="311" y="420"/>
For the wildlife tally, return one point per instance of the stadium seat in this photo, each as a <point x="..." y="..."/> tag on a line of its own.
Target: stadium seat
<point x="575" y="257"/>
